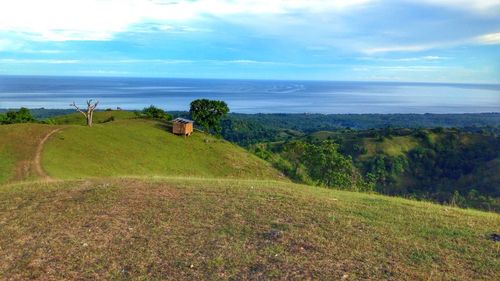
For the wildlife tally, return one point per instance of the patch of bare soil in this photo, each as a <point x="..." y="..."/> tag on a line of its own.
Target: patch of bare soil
<point x="37" y="162"/>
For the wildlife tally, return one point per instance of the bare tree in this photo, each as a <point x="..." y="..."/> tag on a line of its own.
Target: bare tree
<point x="89" y="115"/>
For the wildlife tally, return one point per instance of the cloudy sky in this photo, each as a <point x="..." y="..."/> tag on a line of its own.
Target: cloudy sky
<point x="388" y="40"/>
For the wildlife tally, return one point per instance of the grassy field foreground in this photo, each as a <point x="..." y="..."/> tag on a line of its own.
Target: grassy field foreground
<point x="196" y="229"/>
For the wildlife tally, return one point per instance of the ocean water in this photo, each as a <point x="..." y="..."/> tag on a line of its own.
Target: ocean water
<point x="250" y="96"/>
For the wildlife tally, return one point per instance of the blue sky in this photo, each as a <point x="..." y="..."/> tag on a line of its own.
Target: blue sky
<point x="355" y="40"/>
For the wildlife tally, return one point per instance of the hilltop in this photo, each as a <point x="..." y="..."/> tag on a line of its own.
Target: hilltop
<point x="143" y="147"/>
<point x="124" y="147"/>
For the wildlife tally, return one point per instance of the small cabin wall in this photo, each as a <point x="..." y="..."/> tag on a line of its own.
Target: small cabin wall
<point x="182" y="128"/>
<point x="189" y="128"/>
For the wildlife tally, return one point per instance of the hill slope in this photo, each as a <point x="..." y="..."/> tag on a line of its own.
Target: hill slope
<point x="143" y="147"/>
<point x="443" y="165"/>
<point x="185" y="229"/>
<point x="18" y="148"/>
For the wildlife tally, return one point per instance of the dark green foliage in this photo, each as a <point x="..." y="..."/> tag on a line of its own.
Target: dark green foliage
<point x="445" y="165"/>
<point x="318" y="163"/>
<point x="23" y="115"/>
<point x="246" y="133"/>
<point x="208" y="113"/>
<point x="386" y="169"/>
<point x="154" y="112"/>
<point x="247" y="129"/>
<point x="455" y="168"/>
<point x="328" y="167"/>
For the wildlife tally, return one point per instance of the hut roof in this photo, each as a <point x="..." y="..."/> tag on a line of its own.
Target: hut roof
<point x="182" y="120"/>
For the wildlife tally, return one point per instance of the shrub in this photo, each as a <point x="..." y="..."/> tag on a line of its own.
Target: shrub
<point x="23" y="115"/>
<point x="109" y="119"/>
<point x="155" y="113"/>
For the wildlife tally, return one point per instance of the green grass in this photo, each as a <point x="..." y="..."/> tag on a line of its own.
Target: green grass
<point x="323" y="135"/>
<point x="222" y="229"/>
<point x="18" y="145"/>
<point x="395" y="146"/>
<point x="143" y="147"/>
<point x="99" y="117"/>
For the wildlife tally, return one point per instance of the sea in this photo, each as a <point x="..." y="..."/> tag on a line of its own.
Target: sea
<point x="250" y="96"/>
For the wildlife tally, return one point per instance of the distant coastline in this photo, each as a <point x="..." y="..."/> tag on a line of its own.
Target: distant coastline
<point x="252" y="96"/>
<point x="318" y="121"/>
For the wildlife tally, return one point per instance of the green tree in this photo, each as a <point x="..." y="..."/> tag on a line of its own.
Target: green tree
<point x="326" y="165"/>
<point x="156" y="113"/>
<point x="295" y="151"/>
<point x="23" y="115"/>
<point x="208" y="113"/>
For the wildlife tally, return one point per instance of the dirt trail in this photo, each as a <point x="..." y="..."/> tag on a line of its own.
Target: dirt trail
<point x="38" y="157"/>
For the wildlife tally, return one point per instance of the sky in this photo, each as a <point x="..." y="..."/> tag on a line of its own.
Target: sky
<point x="456" y="41"/>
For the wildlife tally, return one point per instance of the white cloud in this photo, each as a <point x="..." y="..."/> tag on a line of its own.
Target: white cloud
<point x="399" y="48"/>
<point x="490" y="39"/>
<point x="166" y="62"/>
<point x="61" y="20"/>
<point x="38" y="61"/>
<point x="411" y="59"/>
<point x="486" y="39"/>
<point x="483" y="6"/>
<point x="43" y="52"/>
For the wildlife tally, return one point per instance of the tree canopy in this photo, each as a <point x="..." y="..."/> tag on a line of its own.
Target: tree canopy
<point x="23" y="115"/>
<point x="208" y="113"/>
<point x="156" y="113"/>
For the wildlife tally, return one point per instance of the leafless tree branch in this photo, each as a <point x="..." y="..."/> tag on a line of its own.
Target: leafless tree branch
<point x="78" y="109"/>
<point x="89" y="115"/>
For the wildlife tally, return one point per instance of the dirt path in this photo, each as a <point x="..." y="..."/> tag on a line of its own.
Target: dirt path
<point x="38" y="157"/>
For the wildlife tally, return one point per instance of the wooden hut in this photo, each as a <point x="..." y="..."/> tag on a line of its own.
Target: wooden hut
<point x="181" y="126"/>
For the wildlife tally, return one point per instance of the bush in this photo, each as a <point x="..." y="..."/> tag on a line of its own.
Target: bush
<point x="21" y="116"/>
<point x="109" y="119"/>
<point x="155" y="113"/>
<point x="49" y="121"/>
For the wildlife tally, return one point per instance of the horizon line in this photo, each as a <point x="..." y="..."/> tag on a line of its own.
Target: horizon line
<point x="254" y="79"/>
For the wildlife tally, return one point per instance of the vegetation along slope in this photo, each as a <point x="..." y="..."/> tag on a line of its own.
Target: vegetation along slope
<point x="444" y="165"/>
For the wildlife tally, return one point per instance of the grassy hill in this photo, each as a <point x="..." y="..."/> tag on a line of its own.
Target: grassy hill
<point x="199" y="229"/>
<point x="144" y="147"/>
<point x="125" y="147"/>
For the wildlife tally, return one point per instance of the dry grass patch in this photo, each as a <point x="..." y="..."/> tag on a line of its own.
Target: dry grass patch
<point x="179" y="229"/>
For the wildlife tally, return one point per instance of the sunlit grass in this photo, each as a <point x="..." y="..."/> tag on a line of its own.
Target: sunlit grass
<point x="142" y="147"/>
<point x="184" y="229"/>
